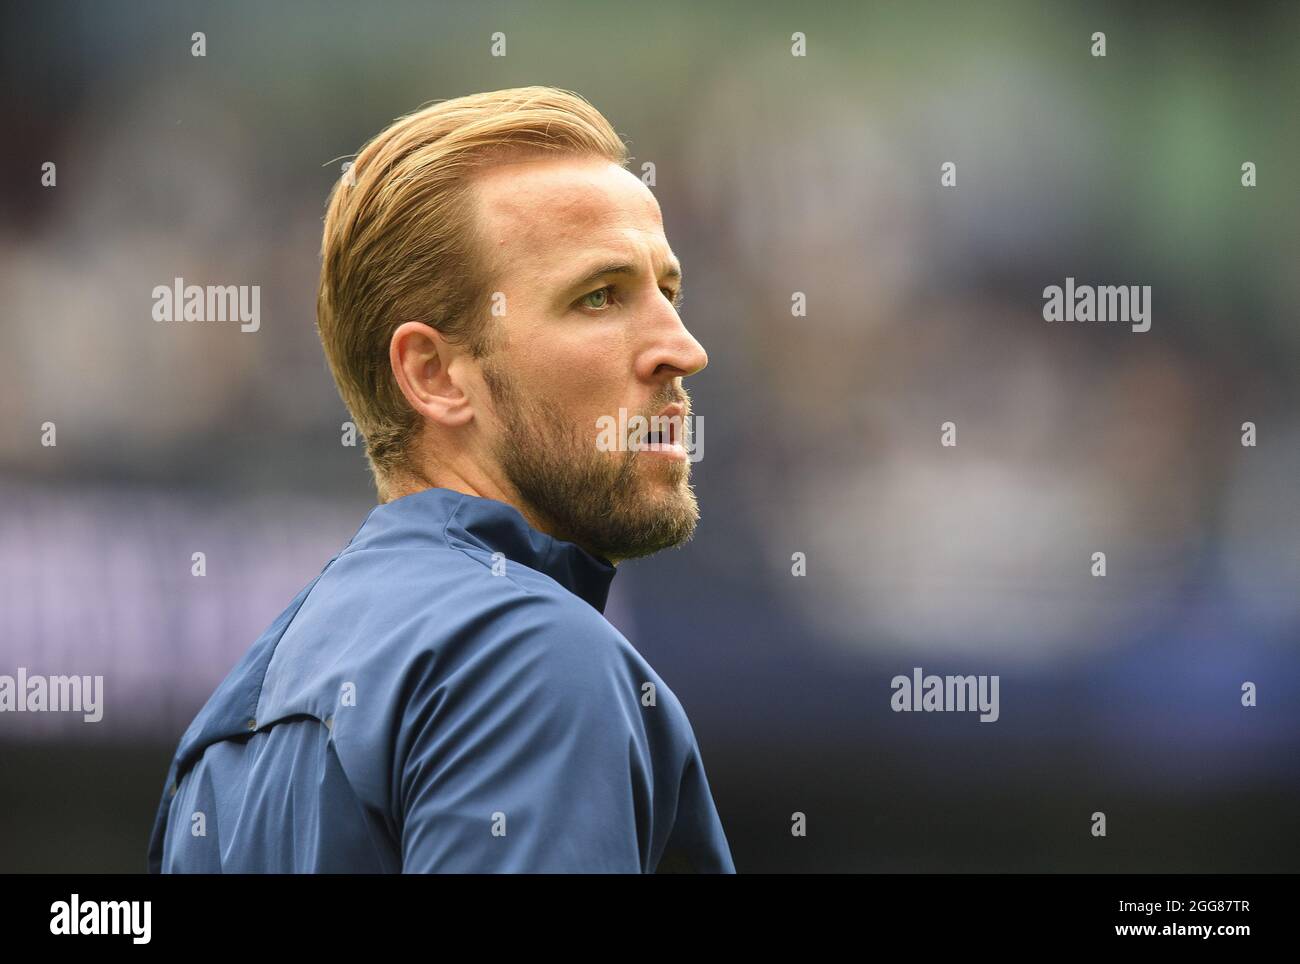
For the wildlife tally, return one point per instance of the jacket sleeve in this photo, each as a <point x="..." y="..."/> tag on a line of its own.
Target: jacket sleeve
<point x="528" y="754"/>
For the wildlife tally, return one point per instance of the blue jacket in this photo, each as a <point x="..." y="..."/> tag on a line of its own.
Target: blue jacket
<point x="445" y="696"/>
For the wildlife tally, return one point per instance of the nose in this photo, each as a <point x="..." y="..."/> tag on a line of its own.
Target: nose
<point x="672" y="351"/>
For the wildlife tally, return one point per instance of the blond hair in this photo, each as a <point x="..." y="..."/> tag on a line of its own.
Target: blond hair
<point x="401" y="242"/>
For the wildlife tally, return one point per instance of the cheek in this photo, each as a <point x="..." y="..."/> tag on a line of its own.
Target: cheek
<point x="585" y="378"/>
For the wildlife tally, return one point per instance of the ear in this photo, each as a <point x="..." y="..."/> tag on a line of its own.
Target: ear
<point x="422" y="361"/>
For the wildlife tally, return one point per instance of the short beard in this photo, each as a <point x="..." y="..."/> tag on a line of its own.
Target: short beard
<point x="597" y="500"/>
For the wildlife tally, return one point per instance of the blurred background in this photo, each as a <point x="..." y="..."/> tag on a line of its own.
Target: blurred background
<point x="776" y="174"/>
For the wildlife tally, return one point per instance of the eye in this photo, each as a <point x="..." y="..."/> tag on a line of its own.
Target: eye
<point x="605" y="294"/>
<point x="674" y="296"/>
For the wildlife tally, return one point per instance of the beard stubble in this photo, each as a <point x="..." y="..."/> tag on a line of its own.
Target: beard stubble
<point x="602" y="501"/>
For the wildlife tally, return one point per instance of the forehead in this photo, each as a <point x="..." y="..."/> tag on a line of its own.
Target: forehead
<point x="544" y="215"/>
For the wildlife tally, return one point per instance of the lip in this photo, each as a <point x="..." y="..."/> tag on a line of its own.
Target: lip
<point x="665" y="450"/>
<point x="672" y="449"/>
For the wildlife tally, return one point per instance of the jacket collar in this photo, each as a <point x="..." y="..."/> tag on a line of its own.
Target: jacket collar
<point x="470" y="522"/>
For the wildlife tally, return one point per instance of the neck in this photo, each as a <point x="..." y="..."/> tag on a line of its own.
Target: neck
<point x="418" y="479"/>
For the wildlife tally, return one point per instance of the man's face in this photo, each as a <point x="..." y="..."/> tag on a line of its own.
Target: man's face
<point x="589" y="328"/>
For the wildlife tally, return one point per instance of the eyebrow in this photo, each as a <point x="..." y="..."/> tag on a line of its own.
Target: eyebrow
<point x="673" y="271"/>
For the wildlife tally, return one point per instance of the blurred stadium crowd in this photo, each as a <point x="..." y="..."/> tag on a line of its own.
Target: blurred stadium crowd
<point x="776" y="175"/>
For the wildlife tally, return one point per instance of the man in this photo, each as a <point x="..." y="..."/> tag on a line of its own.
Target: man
<point x="446" y="695"/>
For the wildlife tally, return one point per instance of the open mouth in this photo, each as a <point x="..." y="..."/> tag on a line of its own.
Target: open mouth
<point x="664" y="437"/>
<point x="665" y="440"/>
